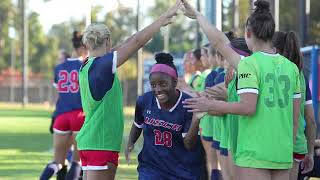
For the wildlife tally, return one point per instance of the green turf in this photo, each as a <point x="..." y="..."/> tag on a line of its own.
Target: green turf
<point x="25" y="143"/>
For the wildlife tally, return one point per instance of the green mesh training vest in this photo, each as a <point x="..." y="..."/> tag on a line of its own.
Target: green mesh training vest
<point x="103" y="126"/>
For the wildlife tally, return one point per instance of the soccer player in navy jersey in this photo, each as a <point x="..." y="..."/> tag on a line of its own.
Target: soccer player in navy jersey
<point x="68" y="115"/>
<point x="100" y="138"/>
<point x="172" y="147"/>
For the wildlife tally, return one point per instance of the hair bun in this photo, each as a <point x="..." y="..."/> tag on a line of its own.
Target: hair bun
<point x="262" y="6"/>
<point x="164" y="58"/>
<point x="77" y="39"/>
<point x="76" y="34"/>
<point x="231" y="35"/>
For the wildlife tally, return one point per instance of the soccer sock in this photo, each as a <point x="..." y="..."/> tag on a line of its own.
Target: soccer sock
<point x="61" y="174"/>
<point x="74" y="172"/>
<point x="216" y="174"/>
<point x="49" y="171"/>
<point x="69" y="155"/>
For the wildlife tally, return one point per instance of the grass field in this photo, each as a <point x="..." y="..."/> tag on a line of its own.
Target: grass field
<point x="25" y="143"/>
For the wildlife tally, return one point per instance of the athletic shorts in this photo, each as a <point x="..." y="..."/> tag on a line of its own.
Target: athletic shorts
<point x="98" y="159"/>
<point x="298" y="157"/>
<point x="69" y="122"/>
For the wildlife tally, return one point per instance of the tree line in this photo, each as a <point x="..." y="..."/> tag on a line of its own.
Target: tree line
<point x="43" y="47"/>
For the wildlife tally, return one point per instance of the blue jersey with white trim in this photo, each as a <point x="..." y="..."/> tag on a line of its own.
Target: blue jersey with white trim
<point x="163" y="131"/>
<point x="66" y="81"/>
<point x="211" y="78"/>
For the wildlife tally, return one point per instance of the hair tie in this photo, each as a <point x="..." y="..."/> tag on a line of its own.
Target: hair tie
<point x="240" y="52"/>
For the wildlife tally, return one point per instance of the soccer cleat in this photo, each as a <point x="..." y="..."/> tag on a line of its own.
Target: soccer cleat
<point x="74" y="171"/>
<point x="216" y="174"/>
<point x="61" y="175"/>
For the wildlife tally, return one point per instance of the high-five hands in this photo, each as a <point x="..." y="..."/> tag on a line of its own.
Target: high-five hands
<point x="188" y="10"/>
<point x="184" y="6"/>
<point x="171" y="12"/>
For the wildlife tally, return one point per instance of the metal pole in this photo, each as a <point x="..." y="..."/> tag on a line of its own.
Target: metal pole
<point x="315" y="84"/>
<point x="236" y="16"/>
<point x="88" y="13"/>
<point x="24" y="52"/>
<point x="218" y="7"/>
<point x="166" y="39"/>
<point x="13" y="58"/>
<point x="139" y="56"/>
<point x="276" y="14"/>
<point x="213" y="12"/>
<point x="302" y="21"/>
<point x="251" y="6"/>
<point x="307" y="21"/>
<point x="198" y="35"/>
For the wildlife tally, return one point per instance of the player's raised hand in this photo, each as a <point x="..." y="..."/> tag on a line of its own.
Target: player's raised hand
<point x="171" y="12"/>
<point x="188" y="10"/>
<point x="127" y="153"/>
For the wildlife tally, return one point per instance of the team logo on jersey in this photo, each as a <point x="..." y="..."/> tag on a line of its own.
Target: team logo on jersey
<point x="148" y="111"/>
<point x="244" y="75"/>
<point x="162" y="123"/>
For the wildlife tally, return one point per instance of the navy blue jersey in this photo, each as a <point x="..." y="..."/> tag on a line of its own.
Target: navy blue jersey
<point x="163" y="131"/>
<point x="212" y="76"/>
<point x="219" y="78"/>
<point x="101" y="74"/>
<point x="66" y="80"/>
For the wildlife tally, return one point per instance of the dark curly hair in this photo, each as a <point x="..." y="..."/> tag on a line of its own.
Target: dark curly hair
<point x="77" y="39"/>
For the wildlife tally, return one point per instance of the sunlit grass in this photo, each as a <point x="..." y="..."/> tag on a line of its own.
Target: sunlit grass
<point x="25" y="142"/>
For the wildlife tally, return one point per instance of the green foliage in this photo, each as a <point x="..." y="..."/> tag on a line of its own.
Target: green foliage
<point x="314" y="22"/>
<point x="128" y="71"/>
<point x="7" y="12"/>
<point x="182" y="31"/>
<point x="43" y="48"/>
<point x="63" y="34"/>
<point x="122" y="24"/>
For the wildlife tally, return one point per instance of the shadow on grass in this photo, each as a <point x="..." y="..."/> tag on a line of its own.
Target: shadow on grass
<point x="35" y="142"/>
<point x="18" y="174"/>
<point x="24" y="113"/>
